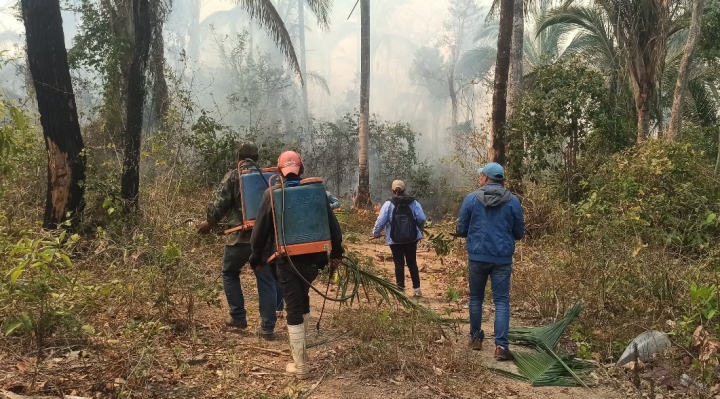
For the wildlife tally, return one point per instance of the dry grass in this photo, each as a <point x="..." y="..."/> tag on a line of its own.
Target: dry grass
<point x="402" y="345"/>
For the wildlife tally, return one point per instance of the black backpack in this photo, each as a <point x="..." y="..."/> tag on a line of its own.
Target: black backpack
<point x="403" y="225"/>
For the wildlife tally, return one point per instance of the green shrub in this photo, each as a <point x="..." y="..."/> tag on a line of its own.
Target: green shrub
<point x="37" y="289"/>
<point x="663" y="194"/>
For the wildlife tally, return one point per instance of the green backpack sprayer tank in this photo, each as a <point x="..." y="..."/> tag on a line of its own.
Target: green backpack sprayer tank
<point x="301" y="219"/>
<point x="253" y="183"/>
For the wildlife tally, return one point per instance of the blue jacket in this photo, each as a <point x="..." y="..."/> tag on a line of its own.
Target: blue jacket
<point x="492" y="220"/>
<point x="383" y="220"/>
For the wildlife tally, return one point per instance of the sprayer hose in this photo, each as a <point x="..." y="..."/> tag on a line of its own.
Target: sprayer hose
<point x="348" y="263"/>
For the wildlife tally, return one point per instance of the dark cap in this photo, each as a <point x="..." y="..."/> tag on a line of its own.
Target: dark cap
<point x="247" y="150"/>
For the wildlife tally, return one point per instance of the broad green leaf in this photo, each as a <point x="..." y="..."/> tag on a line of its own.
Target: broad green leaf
<point x="11" y="327"/>
<point x="88" y="329"/>
<point x="710" y="314"/>
<point x="711" y="218"/>
<point x="15" y="273"/>
<point x="27" y="321"/>
<point x="66" y="259"/>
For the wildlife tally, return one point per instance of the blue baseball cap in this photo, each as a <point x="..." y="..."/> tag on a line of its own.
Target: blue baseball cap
<point x="494" y="171"/>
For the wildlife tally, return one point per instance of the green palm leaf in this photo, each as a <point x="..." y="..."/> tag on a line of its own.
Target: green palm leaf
<point x="542" y="366"/>
<point x="595" y="39"/>
<point x="544" y="337"/>
<point x="265" y="14"/>
<point x="354" y="276"/>
<point x="544" y="369"/>
<point x="321" y="9"/>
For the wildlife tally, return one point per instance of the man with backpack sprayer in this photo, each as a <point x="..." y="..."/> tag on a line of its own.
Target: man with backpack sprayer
<point x="295" y="272"/>
<point x="334" y="204"/>
<point x="491" y="219"/>
<point x="226" y="202"/>
<point x="402" y="218"/>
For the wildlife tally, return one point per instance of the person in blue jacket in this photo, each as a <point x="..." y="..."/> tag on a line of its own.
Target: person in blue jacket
<point x="406" y="249"/>
<point x="491" y="219"/>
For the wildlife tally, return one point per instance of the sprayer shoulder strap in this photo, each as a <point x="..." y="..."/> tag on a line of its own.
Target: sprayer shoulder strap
<point x="239" y="192"/>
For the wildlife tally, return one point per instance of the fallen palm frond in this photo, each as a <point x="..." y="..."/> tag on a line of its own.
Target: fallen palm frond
<point x="546" y="336"/>
<point x="543" y="369"/>
<point x="354" y="277"/>
<point x="543" y="366"/>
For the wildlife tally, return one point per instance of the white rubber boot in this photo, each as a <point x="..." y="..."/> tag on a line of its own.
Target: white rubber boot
<point x="297" y="347"/>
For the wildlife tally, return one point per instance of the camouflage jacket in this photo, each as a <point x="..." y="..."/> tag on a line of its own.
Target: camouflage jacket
<point x="226" y="204"/>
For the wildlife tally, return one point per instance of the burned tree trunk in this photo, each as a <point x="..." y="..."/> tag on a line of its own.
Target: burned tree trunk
<point x="130" y="187"/>
<point x="47" y="58"/>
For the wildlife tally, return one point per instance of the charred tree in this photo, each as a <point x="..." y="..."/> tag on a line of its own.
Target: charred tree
<point x="48" y="62"/>
<point x="136" y="91"/>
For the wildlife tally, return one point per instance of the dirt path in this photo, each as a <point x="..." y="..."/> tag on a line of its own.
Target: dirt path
<point x="209" y="360"/>
<point x="434" y="287"/>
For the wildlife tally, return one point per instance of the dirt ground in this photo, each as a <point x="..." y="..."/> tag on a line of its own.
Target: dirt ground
<point x="212" y="361"/>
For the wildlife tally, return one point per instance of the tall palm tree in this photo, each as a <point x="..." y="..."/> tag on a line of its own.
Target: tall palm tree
<point x="502" y="69"/>
<point x="632" y="36"/>
<point x="363" y="195"/>
<point x="593" y="40"/>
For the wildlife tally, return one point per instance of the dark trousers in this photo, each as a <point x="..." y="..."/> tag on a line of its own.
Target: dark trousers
<point x="402" y="253"/>
<point x="234" y="258"/>
<point x="280" y="303"/>
<point x="295" y="291"/>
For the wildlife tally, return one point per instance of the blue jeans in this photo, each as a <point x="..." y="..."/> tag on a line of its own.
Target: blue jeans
<point x="234" y="258"/>
<point x="500" y="279"/>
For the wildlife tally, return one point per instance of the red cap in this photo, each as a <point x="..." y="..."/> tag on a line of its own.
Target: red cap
<point x="289" y="162"/>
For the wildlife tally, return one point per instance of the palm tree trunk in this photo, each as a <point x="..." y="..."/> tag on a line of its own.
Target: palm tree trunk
<point x="516" y="56"/>
<point x="130" y="185"/>
<point x="681" y="85"/>
<point x="363" y="197"/>
<point x="303" y="56"/>
<point x="502" y="69"/>
<point x="516" y="141"/>
<point x="642" y="107"/>
<point x="47" y="59"/>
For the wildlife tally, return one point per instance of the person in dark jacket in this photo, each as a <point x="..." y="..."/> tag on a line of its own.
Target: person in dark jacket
<point x="226" y="203"/>
<point x="491" y="219"/>
<point x="402" y="251"/>
<point x="295" y="274"/>
<point x="334" y="204"/>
